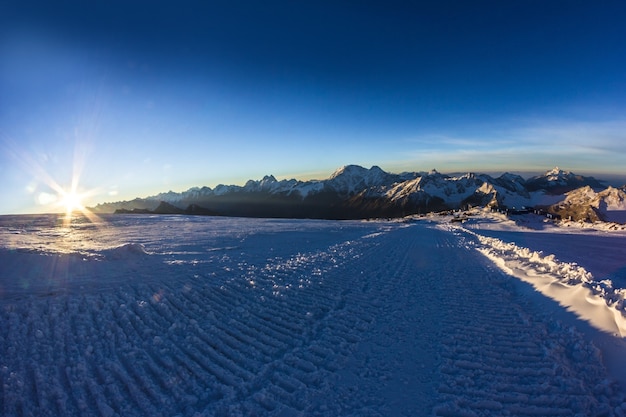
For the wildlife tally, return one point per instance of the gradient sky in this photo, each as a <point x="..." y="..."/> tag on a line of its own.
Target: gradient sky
<point x="137" y="97"/>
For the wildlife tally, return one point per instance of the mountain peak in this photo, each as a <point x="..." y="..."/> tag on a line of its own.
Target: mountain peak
<point x="348" y="170"/>
<point x="352" y="178"/>
<point x="507" y="176"/>
<point x="558" y="181"/>
<point x="557" y="172"/>
<point x="268" y="179"/>
<point x="266" y="184"/>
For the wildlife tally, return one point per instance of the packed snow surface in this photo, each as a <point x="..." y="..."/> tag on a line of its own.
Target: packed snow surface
<point x="199" y="316"/>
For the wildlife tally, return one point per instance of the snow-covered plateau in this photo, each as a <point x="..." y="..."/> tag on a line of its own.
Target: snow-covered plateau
<point x="172" y="315"/>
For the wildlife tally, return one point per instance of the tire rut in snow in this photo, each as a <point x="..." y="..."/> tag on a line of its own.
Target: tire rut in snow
<point x="248" y="339"/>
<point x="393" y="368"/>
<point x="404" y="323"/>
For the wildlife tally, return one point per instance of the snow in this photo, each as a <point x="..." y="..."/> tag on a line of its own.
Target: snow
<point x="568" y="283"/>
<point x="201" y="316"/>
<point x="600" y="299"/>
<point x="309" y="187"/>
<point x="610" y="203"/>
<point x="351" y="179"/>
<point x="557" y="174"/>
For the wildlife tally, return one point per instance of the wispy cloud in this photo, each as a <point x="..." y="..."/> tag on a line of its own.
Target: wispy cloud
<point x="606" y="135"/>
<point x="521" y="145"/>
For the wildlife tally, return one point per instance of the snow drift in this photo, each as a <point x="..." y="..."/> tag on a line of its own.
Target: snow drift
<point x="568" y="283"/>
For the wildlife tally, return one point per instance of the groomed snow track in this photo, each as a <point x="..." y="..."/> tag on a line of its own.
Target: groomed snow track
<point x="410" y="321"/>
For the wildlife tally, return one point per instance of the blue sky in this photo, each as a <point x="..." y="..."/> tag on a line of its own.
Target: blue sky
<point x="129" y="99"/>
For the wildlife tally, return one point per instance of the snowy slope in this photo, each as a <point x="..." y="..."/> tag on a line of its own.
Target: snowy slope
<point x="611" y="203"/>
<point x="200" y="316"/>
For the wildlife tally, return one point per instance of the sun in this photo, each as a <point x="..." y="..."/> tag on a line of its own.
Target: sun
<point x="71" y="201"/>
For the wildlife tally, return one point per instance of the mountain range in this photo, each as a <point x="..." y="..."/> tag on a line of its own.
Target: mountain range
<point x="355" y="192"/>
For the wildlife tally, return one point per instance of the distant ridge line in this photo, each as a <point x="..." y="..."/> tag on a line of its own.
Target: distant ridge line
<point x="355" y="192"/>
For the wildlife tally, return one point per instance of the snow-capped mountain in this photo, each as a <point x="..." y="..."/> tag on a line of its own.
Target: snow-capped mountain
<point x="353" y="191"/>
<point x="558" y="181"/>
<point x="351" y="179"/>
<point x="586" y="204"/>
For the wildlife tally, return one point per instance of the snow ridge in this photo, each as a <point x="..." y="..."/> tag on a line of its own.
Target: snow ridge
<point x="569" y="283"/>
